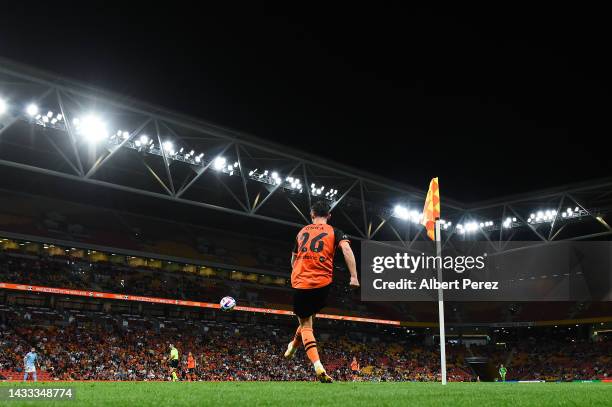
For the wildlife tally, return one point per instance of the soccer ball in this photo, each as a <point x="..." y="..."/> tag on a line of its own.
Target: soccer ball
<point x="227" y="303"/>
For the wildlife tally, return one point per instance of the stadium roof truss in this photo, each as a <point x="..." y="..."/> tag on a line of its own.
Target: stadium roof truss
<point x="59" y="128"/>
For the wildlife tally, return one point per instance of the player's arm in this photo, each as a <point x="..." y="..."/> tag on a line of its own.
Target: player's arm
<point x="349" y="257"/>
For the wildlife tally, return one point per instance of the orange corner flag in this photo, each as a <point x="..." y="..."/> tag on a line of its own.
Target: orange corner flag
<point x="431" y="210"/>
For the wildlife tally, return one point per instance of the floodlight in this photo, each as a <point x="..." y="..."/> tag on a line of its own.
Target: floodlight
<point x="32" y="109"/>
<point x="219" y="163"/>
<point x="168" y="146"/>
<point x="401" y="212"/>
<point x="471" y="226"/>
<point x="92" y="128"/>
<point x="3" y="106"/>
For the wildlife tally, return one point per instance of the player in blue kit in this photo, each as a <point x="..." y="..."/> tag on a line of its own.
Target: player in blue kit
<point x="29" y="361"/>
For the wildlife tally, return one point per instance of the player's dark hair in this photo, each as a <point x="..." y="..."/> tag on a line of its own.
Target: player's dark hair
<point x="320" y="209"/>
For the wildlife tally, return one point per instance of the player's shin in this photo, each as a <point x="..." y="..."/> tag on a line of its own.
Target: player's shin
<point x="310" y="346"/>
<point x="297" y="338"/>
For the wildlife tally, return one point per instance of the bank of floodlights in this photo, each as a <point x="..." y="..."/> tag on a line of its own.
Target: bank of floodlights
<point x="92" y="129"/>
<point x="273" y="178"/>
<point x="542" y="216"/>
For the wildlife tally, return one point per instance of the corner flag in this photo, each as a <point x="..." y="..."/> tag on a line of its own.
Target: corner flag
<point x="431" y="210"/>
<point x="431" y="221"/>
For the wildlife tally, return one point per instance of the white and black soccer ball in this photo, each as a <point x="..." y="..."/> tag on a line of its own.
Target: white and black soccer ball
<point x="227" y="303"/>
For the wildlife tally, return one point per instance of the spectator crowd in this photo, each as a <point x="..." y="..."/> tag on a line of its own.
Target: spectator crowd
<point x="103" y="349"/>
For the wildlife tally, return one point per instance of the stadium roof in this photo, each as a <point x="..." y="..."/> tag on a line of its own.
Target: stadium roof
<point x="56" y="127"/>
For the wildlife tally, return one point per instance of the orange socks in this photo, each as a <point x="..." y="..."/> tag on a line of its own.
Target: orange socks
<point x="310" y="345"/>
<point x="297" y="339"/>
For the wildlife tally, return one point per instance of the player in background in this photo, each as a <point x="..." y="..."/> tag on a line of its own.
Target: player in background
<point x="312" y="262"/>
<point x="191" y="366"/>
<point x="502" y="372"/>
<point x="29" y="362"/>
<point x="355" y="368"/>
<point x="174" y="362"/>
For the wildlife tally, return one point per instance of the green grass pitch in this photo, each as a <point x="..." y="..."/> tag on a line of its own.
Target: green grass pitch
<point x="315" y="394"/>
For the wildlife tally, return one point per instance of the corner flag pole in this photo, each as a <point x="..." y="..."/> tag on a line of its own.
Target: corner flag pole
<point x="431" y="221"/>
<point x="441" y="304"/>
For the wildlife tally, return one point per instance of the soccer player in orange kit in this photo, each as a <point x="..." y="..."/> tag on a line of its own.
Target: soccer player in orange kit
<point x="313" y="264"/>
<point x="191" y="365"/>
<point x="355" y="368"/>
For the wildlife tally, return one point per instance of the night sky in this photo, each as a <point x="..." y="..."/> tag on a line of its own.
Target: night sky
<point x="493" y="101"/>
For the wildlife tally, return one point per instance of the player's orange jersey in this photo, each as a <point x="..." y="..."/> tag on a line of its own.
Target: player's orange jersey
<point x="314" y="251"/>
<point x="354" y="366"/>
<point x="190" y="362"/>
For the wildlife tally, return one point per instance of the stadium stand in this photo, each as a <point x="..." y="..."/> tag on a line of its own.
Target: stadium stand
<point x="84" y="345"/>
